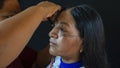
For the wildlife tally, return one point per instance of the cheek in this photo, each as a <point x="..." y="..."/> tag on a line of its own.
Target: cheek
<point x="68" y="41"/>
<point x="65" y="44"/>
<point x="62" y="41"/>
<point x="62" y="45"/>
<point x="71" y="44"/>
<point x="68" y="47"/>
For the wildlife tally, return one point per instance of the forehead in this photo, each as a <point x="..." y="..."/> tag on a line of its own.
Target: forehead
<point x="65" y="16"/>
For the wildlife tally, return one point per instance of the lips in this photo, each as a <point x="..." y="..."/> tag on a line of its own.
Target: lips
<point x="52" y="42"/>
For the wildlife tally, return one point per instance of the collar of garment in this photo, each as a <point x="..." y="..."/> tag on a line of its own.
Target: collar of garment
<point x="70" y="65"/>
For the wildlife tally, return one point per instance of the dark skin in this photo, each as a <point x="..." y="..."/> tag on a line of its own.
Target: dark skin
<point x="9" y="8"/>
<point x="12" y="23"/>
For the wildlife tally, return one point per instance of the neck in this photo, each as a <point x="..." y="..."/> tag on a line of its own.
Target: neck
<point x="72" y="59"/>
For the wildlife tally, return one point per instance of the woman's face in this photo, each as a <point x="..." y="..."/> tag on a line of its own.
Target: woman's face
<point x="64" y="37"/>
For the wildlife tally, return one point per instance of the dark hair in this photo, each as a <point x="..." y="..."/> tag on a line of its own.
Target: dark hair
<point x="90" y="27"/>
<point x="1" y="3"/>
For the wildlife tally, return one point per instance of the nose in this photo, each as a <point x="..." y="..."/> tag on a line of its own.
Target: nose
<point x="53" y="33"/>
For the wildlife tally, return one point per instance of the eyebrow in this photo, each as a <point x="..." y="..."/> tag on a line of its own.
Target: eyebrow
<point x="65" y="23"/>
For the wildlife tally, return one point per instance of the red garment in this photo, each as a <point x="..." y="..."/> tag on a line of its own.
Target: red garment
<point x="25" y="59"/>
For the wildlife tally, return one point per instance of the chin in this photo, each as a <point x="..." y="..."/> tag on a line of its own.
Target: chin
<point x="53" y="53"/>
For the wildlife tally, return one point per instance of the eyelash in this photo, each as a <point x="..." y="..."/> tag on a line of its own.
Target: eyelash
<point x="60" y="27"/>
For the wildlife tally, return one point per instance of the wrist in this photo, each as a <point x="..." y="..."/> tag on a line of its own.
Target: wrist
<point x="41" y="12"/>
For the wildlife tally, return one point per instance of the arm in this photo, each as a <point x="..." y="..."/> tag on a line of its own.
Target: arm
<point x="16" y="31"/>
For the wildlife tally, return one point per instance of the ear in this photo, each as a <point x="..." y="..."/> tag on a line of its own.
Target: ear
<point x="81" y="45"/>
<point x="81" y="49"/>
